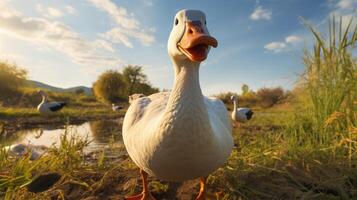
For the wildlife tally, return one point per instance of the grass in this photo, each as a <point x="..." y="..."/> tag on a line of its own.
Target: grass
<point x="265" y="165"/>
<point x="9" y="113"/>
<point x="68" y="160"/>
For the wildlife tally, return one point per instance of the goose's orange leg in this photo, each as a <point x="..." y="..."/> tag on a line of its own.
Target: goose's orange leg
<point x="202" y="194"/>
<point x="145" y="195"/>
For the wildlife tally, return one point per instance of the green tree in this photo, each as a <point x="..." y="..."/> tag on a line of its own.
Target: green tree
<point x="110" y="87"/>
<point x="146" y="88"/>
<point x="245" y="89"/>
<point x="12" y="78"/>
<point x="134" y="76"/>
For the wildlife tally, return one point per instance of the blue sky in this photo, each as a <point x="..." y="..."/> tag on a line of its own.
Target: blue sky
<point x="68" y="43"/>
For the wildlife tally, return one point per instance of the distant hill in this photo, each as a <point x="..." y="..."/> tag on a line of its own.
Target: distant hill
<point x="87" y="90"/>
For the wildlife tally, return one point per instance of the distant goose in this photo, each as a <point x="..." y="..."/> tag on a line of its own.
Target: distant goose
<point x="46" y="107"/>
<point x="240" y="114"/>
<point x="116" y="108"/>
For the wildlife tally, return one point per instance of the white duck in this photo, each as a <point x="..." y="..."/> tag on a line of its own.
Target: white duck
<point x="46" y="107"/>
<point x="240" y="114"/>
<point x="180" y="135"/>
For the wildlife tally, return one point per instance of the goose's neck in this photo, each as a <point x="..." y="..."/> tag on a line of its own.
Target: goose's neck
<point x="44" y="99"/>
<point x="235" y="103"/>
<point x="187" y="84"/>
<point x="186" y="102"/>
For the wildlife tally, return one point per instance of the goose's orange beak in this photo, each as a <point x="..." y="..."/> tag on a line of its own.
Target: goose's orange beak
<point x="195" y="42"/>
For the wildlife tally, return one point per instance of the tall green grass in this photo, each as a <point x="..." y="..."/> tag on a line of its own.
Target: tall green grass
<point x="327" y="119"/>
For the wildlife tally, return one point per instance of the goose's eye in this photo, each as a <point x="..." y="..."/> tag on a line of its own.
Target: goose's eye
<point x="176" y="21"/>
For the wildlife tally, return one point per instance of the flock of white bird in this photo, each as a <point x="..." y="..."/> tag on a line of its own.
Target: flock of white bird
<point x="178" y="135"/>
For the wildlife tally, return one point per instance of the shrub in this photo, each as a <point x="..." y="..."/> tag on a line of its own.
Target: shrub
<point x="270" y="96"/>
<point x="137" y="81"/>
<point x="12" y="78"/>
<point x="110" y="87"/>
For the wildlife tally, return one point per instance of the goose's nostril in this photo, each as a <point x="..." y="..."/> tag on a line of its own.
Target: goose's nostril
<point x="190" y="31"/>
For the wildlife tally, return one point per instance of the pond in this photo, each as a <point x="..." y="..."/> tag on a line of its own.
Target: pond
<point x="101" y="134"/>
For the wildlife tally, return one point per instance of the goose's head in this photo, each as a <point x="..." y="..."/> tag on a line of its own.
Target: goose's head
<point x="233" y="98"/>
<point x="41" y="92"/>
<point x="189" y="39"/>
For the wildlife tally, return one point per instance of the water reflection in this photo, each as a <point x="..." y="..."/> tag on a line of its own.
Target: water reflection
<point x="100" y="133"/>
<point x="105" y="131"/>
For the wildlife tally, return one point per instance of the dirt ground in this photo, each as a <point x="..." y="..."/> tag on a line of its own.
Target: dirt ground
<point x="118" y="184"/>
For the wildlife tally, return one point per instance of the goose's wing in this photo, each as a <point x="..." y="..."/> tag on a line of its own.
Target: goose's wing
<point x="147" y="106"/>
<point x="55" y="106"/>
<point x="219" y="109"/>
<point x="244" y="114"/>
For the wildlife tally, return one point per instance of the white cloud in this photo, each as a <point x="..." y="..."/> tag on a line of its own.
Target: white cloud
<point x="118" y="35"/>
<point x="39" y="8"/>
<point x="127" y="26"/>
<point x="293" y="39"/>
<point x="275" y="46"/>
<point x="70" y="10"/>
<point x="49" y="12"/>
<point x="119" y="14"/>
<point x="104" y="44"/>
<point x="290" y="41"/>
<point x="345" y="9"/>
<point x="54" y="12"/>
<point x="58" y="36"/>
<point x="347" y="4"/>
<point x="261" y="13"/>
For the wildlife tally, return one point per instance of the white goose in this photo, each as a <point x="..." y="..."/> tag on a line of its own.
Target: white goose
<point x="240" y="114"/>
<point x="46" y="107"/>
<point x="180" y="135"/>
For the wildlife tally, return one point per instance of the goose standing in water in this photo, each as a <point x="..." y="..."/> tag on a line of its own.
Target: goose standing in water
<point x="240" y="114"/>
<point x="46" y="107"/>
<point x="180" y="135"/>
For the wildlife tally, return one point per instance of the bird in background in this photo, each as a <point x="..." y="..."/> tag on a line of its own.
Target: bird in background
<point x="47" y="107"/>
<point x="240" y="114"/>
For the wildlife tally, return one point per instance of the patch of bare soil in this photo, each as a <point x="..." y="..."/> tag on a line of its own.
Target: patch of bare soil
<point x="119" y="183"/>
